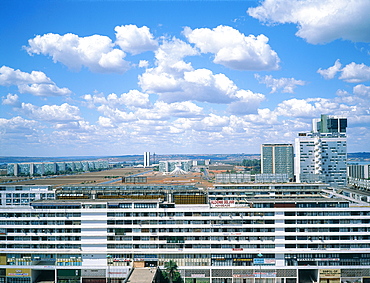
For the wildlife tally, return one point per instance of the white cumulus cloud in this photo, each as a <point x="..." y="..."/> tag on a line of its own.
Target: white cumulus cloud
<point x="175" y="80"/>
<point x="352" y="73"/>
<point x="248" y="102"/>
<point x="296" y="108"/>
<point x="135" y="40"/>
<point x="95" y="52"/>
<point x="233" y="49"/>
<point x="11" y="99"/>
<point x="105" y="122"/>
<point x="35" y="83"/>
<point x="362" y="91"/>
<point x="9" y="76"/>
<point x="44" y="90"/>
<point x="319" y="21"/>
<point x="133" y="98"/>
<point x="16" y="127"/>
<point x="355" y="73"/>
<point x="330" y="72"/>
<point x="287" y="85"/>
<point x="51" y="113"/>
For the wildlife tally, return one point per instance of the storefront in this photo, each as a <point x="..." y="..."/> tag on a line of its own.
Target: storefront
<point x="329" y="275"/>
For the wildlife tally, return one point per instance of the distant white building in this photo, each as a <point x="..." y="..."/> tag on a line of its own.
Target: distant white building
<point x="49" y="168"/>
<point x="321" y="155"/>
<point x="171" y="165"/>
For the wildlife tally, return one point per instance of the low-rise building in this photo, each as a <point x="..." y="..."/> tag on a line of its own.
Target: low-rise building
<point x="233" y="233"/>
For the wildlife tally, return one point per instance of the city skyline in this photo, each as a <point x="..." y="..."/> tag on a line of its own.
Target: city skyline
<point x="122" y="77"/>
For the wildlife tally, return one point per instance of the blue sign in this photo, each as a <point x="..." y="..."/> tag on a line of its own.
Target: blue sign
<point x="258" y="261"/>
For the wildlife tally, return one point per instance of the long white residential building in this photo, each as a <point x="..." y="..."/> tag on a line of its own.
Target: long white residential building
<point x="227" y="233"/>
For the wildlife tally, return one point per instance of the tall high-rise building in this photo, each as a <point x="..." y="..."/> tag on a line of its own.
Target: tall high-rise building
<point x="146" y="159"/>
<point x="321" y="155"/>
<point x="329" y="124"/>
<point x="277" y="159"/>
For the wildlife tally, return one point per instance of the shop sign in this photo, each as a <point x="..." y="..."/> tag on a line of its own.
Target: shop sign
<point x="242" y="259"/>
<point x="260" y="261"/>
<point x="222" y="203"/>
<point x="330" y="273"/>
<point x="243" y="275"/>
<point x="198" y="275"/>
<point x="264" y="274"/>
<point x="121" y="259"/>
<point x="18" y="272"/>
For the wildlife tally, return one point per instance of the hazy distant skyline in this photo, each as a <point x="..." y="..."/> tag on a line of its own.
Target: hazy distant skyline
<point x="124" y="77"/>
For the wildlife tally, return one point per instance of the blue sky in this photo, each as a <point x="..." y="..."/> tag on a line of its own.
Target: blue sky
<point x="124" y="77"/>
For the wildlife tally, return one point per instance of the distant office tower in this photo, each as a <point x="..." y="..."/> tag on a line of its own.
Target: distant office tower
<point x="358" y="171"/>
<point x="322" y="154"/>
<point x="146" y="159"/>
<point x="329" y="124"/>
<point x="277" y="159"/>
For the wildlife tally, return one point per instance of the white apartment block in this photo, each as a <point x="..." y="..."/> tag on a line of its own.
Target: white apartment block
<point x="227" y="233"/>
<point x="51" y="168"/>
<point x="321" y="155"/>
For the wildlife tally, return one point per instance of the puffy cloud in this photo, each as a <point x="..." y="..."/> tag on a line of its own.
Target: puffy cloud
<point x="171" y="53"/>
<point x="233" y="49"/>
<point x="95" y="52"/>
<point x="174" y="80"/>
<point x="170" y="67"/>
<point x="155" y="81"/>
<point x="319" y="21"/>
<point x="355" y="73"/>
<point x="330" y="72"/>
<point x="158" y="116"/>
<point x="51" y="113"/>
<point x="135" y="40"/>
<point x="296" y="108"/>
<point x="35" y="83"/>
<point x="44" y="90"/>
<point x="362" y="90"/>
<point x="77" y="127"/>
<point x="352" y="73"/>
<point x="133" y="98"/>
<point x="105" y="122"/>
<point x="143" y="64"/>
<point x="177" y="109"/>
<point x="116" y="115"/>
<point x="18" y="129"/>
<point x="286" y="84"/>
<point x="204" y="86"/>
<point x="11" y="99"/>
<point x="248" y="102"/>
<point x="9" y="76"/>
<point x="313" y="107"/>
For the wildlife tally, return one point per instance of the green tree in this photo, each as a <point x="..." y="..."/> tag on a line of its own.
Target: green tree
<point x="171" y="272"/>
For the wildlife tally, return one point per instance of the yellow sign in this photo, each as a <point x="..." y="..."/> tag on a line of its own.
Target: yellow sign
<point x="18" y="272"/>
<point x="2" y="259"/>
<point x="329" y="273"/>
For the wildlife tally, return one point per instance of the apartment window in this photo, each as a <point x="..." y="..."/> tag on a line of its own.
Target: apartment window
<point x="145" y="205"/>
